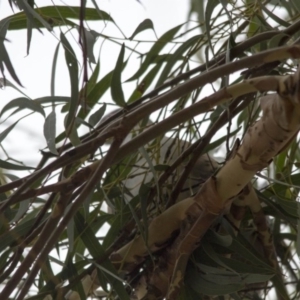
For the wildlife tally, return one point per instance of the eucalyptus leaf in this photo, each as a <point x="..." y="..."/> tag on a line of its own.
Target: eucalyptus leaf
<point x="96" y="116"/>
<point x="50" y="132"/>
<point x="5" y="132"/>
<point x="23" y="103"/>
<point x="116" y="86"/>
<point x="72" y="65"/>
<point x="10" y="166"/>
<point x="144" y="25"/>
<point x="154" y="51"/>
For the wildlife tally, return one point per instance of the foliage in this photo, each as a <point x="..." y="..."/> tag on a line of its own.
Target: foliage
<point x="137" y="159"/>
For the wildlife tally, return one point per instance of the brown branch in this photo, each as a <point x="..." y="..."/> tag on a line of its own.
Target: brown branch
<point x="265" y="139"/>
<point x="48" y="243"/>
<point x="236" y="51"/>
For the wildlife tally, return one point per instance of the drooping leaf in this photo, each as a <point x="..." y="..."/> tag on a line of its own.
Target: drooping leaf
<point x="89" y="37"/>
<point x="50" y="131"/>
<point x="5" y="132"/>
<point x="23" y="103"/>
<point x="146" y="24"/>
<point x="276" y="18"/>
<point x="210" y="7"/>
<point x="86" y="90"/>
<point x="93" y="79"/>
<point x="94" y="95"/>
<point x="195" y="280"/>
<point x="97" y="251"/>
<point x="96" y="116"/>
<point x="15" y="233"/>
<point x="4" y="57"/>
<point x="72" y="65"/>
<point x="53" y="71"/>
<point x="116" y="85"/>
<point x="298" y="233"/>
<point x="145" y="83"/>
<point x="70" y="232"/>
<point x="31" y="14"/>
<point x="154" y="51"/>
<point x="23" y="207"/>
<point x="10" y="166"/>
<point x="72" y="131"/>
<point x="176" y="56"/>
<point x="55" y="16"/>
<point x="52" y="99"/>
<point x="4" y="82"/>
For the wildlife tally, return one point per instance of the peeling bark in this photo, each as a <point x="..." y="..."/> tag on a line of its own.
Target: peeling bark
<point x="192" y="217"/>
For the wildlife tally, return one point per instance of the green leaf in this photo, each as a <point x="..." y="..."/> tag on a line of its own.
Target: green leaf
<point x="96" y="250"/>
<point x="23" y="207"/>
<point x="72" y="131"/>
<point x="4" y="133"/>
<point x="95" y="94"/>
<point x="53" y="71"/>
<point x="72" y="65"/>
<point x="16" y="233"/>
<point x="155" y="49"/>
<point x="146" y="24"/>
<point x="298" y="233"/>
<point x="224" y="277"/>
<point x="96" y="91"/>
<point x="56" y="16"/>
<point x="50" y="132"/>
<point x="96" y="116"/>
<point x="70" y="233"/>
<point x="200" y="284"/>
<point x="23" y="103"/>
<point x="178" y="55"/>
<point x="90" y="38"/>
<point x="52" y="99"/>
<point x="145" y="83"/>
<point x="31" y="14"/>
<point x="116" y="85"/>
<point x="4" y="82"/>
<point x="93" y="79"/>
<point x="210" y="7"/>
<point x="275" y="17"/>
<point x="10" y="166"/>
<point x="4" y="58"/>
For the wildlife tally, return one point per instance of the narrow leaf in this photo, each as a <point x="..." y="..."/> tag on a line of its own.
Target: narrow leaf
<point x="4" y="82"/>
<point x="116" y="85"/>
<point x="31" y="13"/>
<point x="90" y="38"/>
<point x="146" y="24"/>
<point x="145" y="83"/>
<point x="56" y="16"/>
<point x="178" y="54"/>
<point x="155" y="49"/>
<point x="70" y="232"/>
<point x="54" y="62"/>
<point x="298" y="232"/>
<point x="4" y="133"/>
<point x="10" y="166"/>
<point x="4" y="58"/>
<point x="72" y="65"/>
<point x="23" y="207"/>
<point x="211" y="5"/>
<point x="23" y="103"/>
<point x="52" y="99"/>
<point x="96" y="250"/>
<point x="96" y="116"/>
<point x="50" y="132"/>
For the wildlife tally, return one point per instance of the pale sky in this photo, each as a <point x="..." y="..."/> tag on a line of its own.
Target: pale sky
<point x="34" y="71"/>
